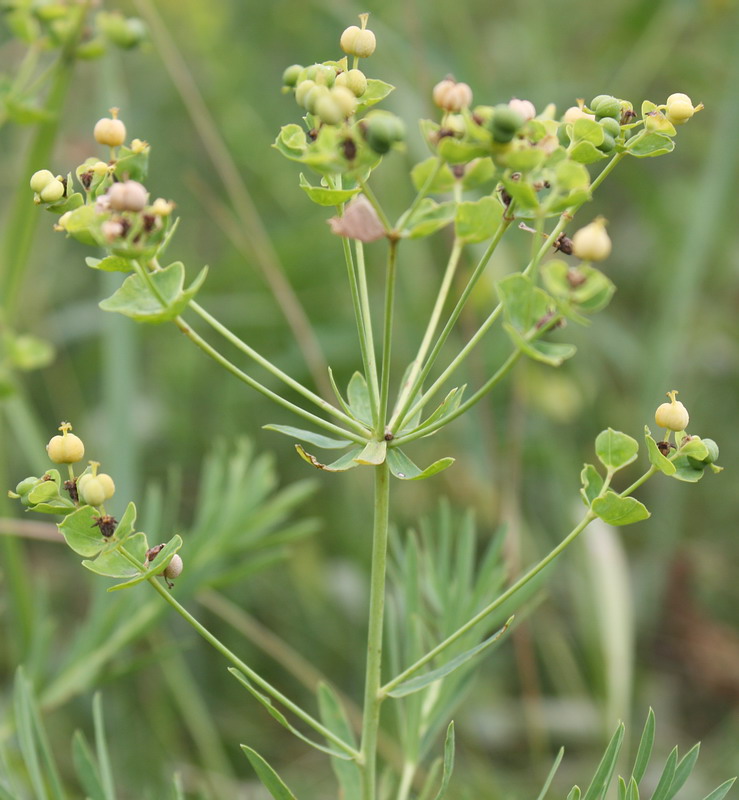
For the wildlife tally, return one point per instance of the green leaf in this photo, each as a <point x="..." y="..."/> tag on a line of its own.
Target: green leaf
<point x="456" y="151"/>
<point x="430" y="218"/>
<point x="448" y="762"/>
<point x="375" y="92"/>
<point x="683" y="770"/>
<point x="522" y="192"/>
<point x="166" y="300"/>
<point x="449" y="404"/>
<point x="81" y="533"/>
<point x="347" y="461"/>
<point x="721" y="791"/>
<point x="110" y="264"/>
<point x="476" y="221"/>
<point x="318" y="439"/>
<point x="478" y="173"/>
<point x="86" y="768"/>
<point x="443" y="181"/>
<point x="571" y="175"/>
<point x="574" y="793"/>
<point x="602" y="778"/>
<point x="111" y="563"/>
<point x="357" y="395"/>
<point x="587" y="130"/>
<point x="656" y="458"/>
<point x="662" y="790"/>
<point x="525" y="160"/>
<point x="552" y="773"/>
<point x="335" y="719"/>
<point x="585" y="153"/>
<point x="373" y="454"/>
<point x="291" y="139"/>
<point x="616" y="510"/>
<point x="422" y="681"/>
<point x="126" y="524"/>
<point x="650" y="144"/>
<point x="694" y="448"/>
<point x="25" y="734"/>
<point x="685" y="471"/>
<point x="615" y="449"/>
<point x="324" y="196"/>
<point x="632" y="792"/>
<point x="523" y="303"/>
<point x="592" y="484"/>
<point x="644" y="752"/>
<point x="45" y="492"/>
<point x="278" y="716"/>
<point x="132" y="166"/>
<point x="271" y="780"/>
<point x="80" y="224"/>
<point x="552" y="353"/>
<point x="101" y="748"/>
<point x="402" y="467"/>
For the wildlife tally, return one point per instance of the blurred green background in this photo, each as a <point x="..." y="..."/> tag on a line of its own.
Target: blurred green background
<point x="639" y="617"/>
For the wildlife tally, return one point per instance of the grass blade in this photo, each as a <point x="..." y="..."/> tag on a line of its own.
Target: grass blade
<point x="552" y="773"/>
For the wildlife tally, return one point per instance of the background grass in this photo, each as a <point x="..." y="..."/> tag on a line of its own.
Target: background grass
<point x="644" y="616"/>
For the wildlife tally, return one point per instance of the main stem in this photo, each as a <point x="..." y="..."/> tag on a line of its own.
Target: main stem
<point x="372" y="699"/>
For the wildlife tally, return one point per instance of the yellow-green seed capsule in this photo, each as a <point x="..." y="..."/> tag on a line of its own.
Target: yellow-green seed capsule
<point x="673" y="415"/>
<point x="354" y="80"/>
<point x="345" y="100"/>
<point x="679" y="108"/>
<point x="575" y="113"/>
<point x="91" y="490"/>
<point x="110" y="131"/>
<point x="358" y="42"/>
<point x="67" y="448"/>
<point x="53" y="191"/>
<point x="328" y="110"/>
<point x="592" y="243"/>
<point x="41" y="179"/>
<point x="301" y="91"/>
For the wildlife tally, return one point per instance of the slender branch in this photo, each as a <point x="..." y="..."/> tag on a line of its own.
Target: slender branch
<point x="372" y="698"/>
<point x="373" y="384"/>
<point x="388" y="333"/>
<point x="250" y="674"/>
<point x="512" y="590"/>
<point x="274" y="370"/>
<point x="370" y="195"/>
<point x="444" y="335"/>
<point x="242" y="376"/>
<point x="410" y="389"/>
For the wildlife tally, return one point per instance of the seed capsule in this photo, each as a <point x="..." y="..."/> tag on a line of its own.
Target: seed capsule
<point x="450" y="95"/>
<point x="679" y="108"/>
<point x="127" y="196"/>
<point x="524" y="107"/>
<point x="354" y="80"/>
<point x="592" y="243"/>
<point x="174" y="568"/>
<point x="290" y="75"/>
<point x="358" y="42"/>
<point x="67" y="448"/>
<point x="41" y="179"/>
<point x="673" y="415"/>
<point x="110" y="130"/>
<point x="53" y="191"/>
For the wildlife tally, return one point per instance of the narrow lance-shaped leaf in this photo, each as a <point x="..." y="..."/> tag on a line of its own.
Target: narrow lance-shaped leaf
<point x="603" y="775"/>
<point x="644" y="753"/>
<point x="662" y="791"/>
<point x="552" y="773"/>
<point x="334" y="718"/>
<point x="720" y="792"/>
<point x="402" y="467"/>
<point x="318" y="439"/>
<point x="448" y="762"/>
<point x="271" y="780"/>
<point x="422" y="681"/>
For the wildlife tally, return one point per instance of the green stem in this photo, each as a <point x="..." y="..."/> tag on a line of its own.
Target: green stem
<point x="502" y="371"/>
<point x="372" y="379"/>
<point x="247" y="379"/>
<point x="241" y="345"/>
<point x="242" y="667"/>
<point x="410" y="389"/>
<point x="387" y="338"/>
<point x="359" y="317"/>
<point x="444" y="335"/>
<point x="234" y="370"/>
<point x="372" y="698"/>
<point x="512" y="590"/>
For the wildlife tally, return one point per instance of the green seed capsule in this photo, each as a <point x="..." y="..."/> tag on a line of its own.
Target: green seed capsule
<point x="354" y="80"/>
<point x="290" y="75"/>
<point x="91" y="490"/>
<point x="608" y="144"/>
<point x="611" y="126"/>
<point x="313" y="96"/>
<point x="383" y="129"/>
<point x="505" y="124"/>
<point x="606" y="106"/>
<point x="711" y="458"/>
<point x="328" y="110"/>
<point x="301" y="91"/>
